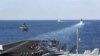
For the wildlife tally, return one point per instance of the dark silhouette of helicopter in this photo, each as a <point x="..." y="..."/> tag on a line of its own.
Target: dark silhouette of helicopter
<point x="24" y="27"/>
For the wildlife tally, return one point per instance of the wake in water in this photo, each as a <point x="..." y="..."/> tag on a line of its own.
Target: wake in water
<point x="62" y="35"/>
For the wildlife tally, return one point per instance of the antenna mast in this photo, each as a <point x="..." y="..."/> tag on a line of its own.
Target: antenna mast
<point x="77" y="42"/>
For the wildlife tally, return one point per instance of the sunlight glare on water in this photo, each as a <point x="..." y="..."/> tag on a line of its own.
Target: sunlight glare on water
<point x="62" y="35"/>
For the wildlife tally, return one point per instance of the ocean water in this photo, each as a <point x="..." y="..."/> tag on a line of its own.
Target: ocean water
<point x="64" y="31"/>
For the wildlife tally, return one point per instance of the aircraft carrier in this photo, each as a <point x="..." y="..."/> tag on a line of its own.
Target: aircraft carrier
<point x="27" y="48"/>
<point x="40" y="48"/>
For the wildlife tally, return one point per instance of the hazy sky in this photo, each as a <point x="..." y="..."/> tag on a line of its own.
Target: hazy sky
<point x="49" y="9"/>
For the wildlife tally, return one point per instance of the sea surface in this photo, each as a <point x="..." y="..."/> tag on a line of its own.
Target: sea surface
<point x="64" y="31"/>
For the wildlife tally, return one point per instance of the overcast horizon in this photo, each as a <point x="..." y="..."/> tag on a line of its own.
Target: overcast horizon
<point x="49" y="9"/>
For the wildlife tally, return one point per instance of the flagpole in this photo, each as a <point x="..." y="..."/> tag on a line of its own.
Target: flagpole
<point x="77" y="42"/>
